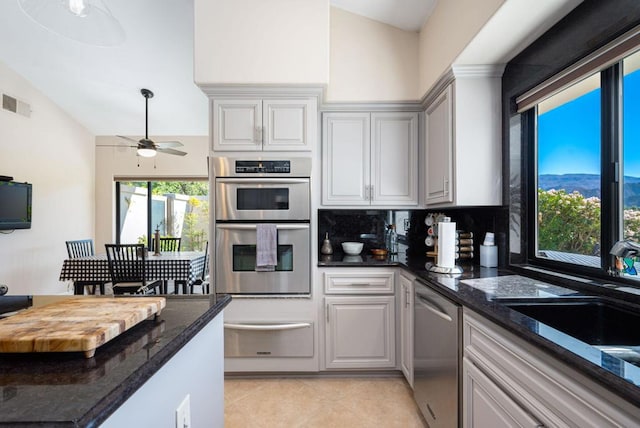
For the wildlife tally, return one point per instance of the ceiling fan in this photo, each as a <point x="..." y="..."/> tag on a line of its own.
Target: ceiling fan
<point x="148" y="148"/>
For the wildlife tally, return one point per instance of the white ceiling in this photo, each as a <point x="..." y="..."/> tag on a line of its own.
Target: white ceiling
<point x="100" y="86"/>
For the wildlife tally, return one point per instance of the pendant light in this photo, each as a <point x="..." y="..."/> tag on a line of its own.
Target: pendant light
<point x="86" y="21"/>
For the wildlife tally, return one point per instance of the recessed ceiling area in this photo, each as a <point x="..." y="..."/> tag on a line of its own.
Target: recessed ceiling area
<point x="408" y="15"/>
<point x="100" y="86"/>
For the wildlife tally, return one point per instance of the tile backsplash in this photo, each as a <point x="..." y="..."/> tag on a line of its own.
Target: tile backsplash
<point x="368" y="226"/>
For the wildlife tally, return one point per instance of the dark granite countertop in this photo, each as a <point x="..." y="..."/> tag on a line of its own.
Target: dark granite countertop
<point x="481" y="289"/>
<point x="67" y="389"/>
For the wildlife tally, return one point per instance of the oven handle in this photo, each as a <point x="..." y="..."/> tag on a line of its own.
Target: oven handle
<point x="252" y="226"/>
<point x="267" y="327"/>
<point x="263" y="180"/>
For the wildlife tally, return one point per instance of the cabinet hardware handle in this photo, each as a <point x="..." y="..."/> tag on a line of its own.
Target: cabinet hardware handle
<point x="361" y="284"/>
<point x="261" y="134"/>
<point x="433" y="415"/>
<point x="327" y="312"/>
<point x="445" y="185"/>
<point x="267" y="327"/>
<point x="371" y="192"/>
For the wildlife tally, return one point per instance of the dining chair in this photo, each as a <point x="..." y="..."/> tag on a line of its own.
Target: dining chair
<point x="127" y="267"/>
<point x="167" y="244"/>
<point x="203" y="279"/>
<point x="83" y="248"/>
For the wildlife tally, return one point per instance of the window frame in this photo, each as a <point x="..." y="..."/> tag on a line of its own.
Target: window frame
<point x="149" y="183"/>
<point x="611" y="175"/>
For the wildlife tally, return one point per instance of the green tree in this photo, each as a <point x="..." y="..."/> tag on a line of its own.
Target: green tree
<point x="568" y="222"/>
<point x="192" y="188"/>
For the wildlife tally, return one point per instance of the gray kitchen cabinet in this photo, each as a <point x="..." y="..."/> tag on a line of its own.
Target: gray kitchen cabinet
<point x="264" y="124"/>
<point x="439" y="149"/>
<point x="359" y="328"/>
<point x="406" y="325"/>
<point x="486" y="405"/>
<point x="507" y="379"/>
<point x="463" y="140"/>
<point x="370" y="159"/>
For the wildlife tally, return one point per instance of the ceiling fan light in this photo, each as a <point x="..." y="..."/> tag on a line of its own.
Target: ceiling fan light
<point x="85" y="21"/>
<point x="146" y="152"/>
<point x="77" y="7"/>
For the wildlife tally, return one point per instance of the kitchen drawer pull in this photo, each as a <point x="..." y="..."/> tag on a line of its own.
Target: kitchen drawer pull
<point x="266" y="327"/>
<point x="427" y="304"/>
<point x="359" y="284"/>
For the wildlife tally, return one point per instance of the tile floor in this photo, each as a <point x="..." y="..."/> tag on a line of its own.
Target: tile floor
<point x="326" y="402"/>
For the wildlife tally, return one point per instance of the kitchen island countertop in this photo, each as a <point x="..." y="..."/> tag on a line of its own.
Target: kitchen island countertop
<point x="67" y="389"/>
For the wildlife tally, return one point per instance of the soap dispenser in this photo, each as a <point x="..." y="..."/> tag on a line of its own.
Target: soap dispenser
<point x="326" y="245"/>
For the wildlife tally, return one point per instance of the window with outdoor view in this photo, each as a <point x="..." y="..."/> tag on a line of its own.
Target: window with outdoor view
<point x="178" y="209"/>
<point x="568" y="175"/>
<point x="587" y="170"/>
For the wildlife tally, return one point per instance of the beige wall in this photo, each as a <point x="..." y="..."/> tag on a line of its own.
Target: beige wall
<point x="371" y="61"/>
<point x="446" y="33"/>
<point x="114" y="162"/>
<point x="257" y="41"/>
<point x="54" y="153"/>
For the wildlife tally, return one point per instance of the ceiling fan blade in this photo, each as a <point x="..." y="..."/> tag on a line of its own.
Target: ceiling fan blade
<point x="171" y="152"/>
<point x="166" y="144"/>
<point x="127" y="138"/>
<point x="116" y="145"/>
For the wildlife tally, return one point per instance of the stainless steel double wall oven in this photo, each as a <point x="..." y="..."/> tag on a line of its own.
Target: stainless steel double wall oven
<point x="249" y="191"/>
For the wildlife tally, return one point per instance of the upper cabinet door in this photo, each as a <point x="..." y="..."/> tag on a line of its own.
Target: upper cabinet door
<point x="289" y="124"/>
<point x="237" y="125"/>
<point x="345" y="158"/>
<point x="439" y="149"/>
<point x="394" y="158"/>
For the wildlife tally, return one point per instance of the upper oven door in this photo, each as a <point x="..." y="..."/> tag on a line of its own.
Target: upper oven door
<point x="235" y="255"/>
<point x="262" y="198"/>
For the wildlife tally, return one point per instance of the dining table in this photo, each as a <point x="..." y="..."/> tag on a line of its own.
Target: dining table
<point x="183" y="267"/>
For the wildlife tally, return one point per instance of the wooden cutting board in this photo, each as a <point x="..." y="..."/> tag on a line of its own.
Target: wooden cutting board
<point x="75" y="324"/>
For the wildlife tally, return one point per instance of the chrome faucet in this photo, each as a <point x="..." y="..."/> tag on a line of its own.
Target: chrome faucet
<point x="625" y="248"/>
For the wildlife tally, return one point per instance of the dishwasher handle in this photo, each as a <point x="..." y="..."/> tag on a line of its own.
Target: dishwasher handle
<point x="433" y="307"/>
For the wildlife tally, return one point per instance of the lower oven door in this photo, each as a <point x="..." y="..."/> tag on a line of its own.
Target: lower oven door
<point x="286" y="339"/>
<point x="235" y="267"/>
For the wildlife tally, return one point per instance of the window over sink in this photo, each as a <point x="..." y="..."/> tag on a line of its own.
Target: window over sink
<point x="582" y="130"/>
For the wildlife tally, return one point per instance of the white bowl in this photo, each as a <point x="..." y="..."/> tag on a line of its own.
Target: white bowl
<point x="352" y="248"/>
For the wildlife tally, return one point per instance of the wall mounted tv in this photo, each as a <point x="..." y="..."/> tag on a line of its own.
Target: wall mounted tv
<point x="15" y="205"/>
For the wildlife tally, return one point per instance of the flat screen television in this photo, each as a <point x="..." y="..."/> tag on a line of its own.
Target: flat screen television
<point x="15" y="205"/>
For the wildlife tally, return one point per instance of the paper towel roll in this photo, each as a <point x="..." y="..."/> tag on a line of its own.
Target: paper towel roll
<point x="446" y="244"/>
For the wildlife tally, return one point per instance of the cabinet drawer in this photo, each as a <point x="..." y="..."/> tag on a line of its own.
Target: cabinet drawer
<point x="359" y="282"/>
<point x="251" y="339"/>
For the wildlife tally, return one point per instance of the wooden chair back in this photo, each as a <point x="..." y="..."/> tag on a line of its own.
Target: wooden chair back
<point x="127" y="266"/>
<point x="80" y="248"/>
<point x="167" y="244"/>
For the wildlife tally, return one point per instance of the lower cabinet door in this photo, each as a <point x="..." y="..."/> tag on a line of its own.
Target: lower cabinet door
<point x="486" y="405"/>
<point x="359" y="332"/>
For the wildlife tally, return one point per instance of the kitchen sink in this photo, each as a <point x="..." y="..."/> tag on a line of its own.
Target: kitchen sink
<point x="593" y="321"/>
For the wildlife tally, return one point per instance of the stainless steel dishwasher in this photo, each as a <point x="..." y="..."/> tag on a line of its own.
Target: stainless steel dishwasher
<point x="436" y="357"/>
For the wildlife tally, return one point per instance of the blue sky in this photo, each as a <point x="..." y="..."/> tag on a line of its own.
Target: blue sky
<point x="569" y="136"/>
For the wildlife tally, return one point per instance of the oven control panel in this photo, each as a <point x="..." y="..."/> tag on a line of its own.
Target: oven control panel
<point x="263" y="166"/>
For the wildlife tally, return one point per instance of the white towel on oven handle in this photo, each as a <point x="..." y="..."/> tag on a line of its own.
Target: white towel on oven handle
<point x="266" y="247"/>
